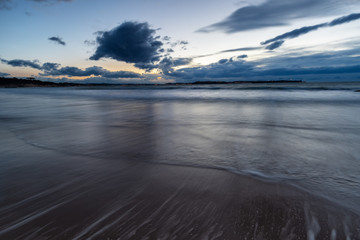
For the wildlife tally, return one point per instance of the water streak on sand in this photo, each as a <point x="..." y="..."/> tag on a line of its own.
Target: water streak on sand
<point x="35" y="197"/>
<point x="28" y="218"/>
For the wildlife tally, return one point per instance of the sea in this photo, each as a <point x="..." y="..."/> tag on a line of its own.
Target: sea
<point x="303" y="136"/>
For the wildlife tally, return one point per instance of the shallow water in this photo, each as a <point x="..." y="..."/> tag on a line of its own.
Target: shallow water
<point x="302" y="136"/>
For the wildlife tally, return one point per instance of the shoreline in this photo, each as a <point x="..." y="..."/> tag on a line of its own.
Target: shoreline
<point x="17" y="83"/>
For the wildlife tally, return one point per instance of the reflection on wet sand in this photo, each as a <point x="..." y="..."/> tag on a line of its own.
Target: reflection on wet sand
<point x="132" y="169"/>
<point x="80" y="198"/>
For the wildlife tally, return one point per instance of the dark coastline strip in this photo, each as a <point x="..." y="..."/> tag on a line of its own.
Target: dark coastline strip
<point x="16" y="83"/>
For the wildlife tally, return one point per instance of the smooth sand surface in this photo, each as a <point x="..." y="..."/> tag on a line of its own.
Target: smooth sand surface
<point x="50" y="195"/>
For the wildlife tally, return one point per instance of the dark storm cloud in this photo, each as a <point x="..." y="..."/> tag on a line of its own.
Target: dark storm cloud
<point x="304" y="30"/>
<point x="242" y="56"/>
<point x="57" y="40"/>
<point x="294" y="33"/>
<point x="50" y="66"/>
<point x="136" y="43"/>
<point x="95" y="71"/>
<point x="181" y="61"/>
<point x="311" y="71"/>
<point x="131" y="42"/>
<point x="275" y="45"/>
<point x="299" y="58"/>
<point x="275" y="13"/>
<point x="225" y="68"/>
<point x="222" y="61"/>
<point x="166" y="64"/>
<point x="146" y="66"/>
<point x="331" y="63"/>
<point x="345" y="19"/>
<point x="236" y="70"/>
<point x="4" y="74"/>
<point x="22" y="63"/>
<point x="54" y="69"/>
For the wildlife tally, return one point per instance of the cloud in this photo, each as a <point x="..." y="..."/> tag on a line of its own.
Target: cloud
<point x="240" y="49"/>
<point x="345" y="19"/>
<point x="244" y="71"/>
<point x="303" y="59"/>
<point x="131" y="42"/>
<point x="312" y="71"/>
<point x="331" y="64"/>
<point x="275" y="45"/>
<point x="90" y="42"/>
<point x="222" y="61"/>
<point x="137" y="43"/>
<point x="57" y="40"/>
<point x="146" y="66"/>
<point x="90" y="71"/>
<point x="181" y="61"/>
<point x="181" y="43"/>
<point x="229" y="50"/>
<point x="5" y="4"/>
<point x="225" y="68"/>
<point x="165" y="65"/>
<point x="54" y="69"/>
<point x="166" y="38"/>
<point x="22" y="63"/>
<point x="294" y="33"/>
<point x="273" y="13"/>
<point x="296" y="64"/>
<point x="304" y="30"/>
<point x="50" y="66"/>
<point x="4" y="74"/>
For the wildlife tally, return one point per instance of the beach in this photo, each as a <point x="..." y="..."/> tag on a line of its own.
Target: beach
<point x="179" y="164"/>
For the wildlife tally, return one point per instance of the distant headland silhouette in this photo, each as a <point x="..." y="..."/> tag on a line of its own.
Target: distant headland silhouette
<point x="32" y="82"/>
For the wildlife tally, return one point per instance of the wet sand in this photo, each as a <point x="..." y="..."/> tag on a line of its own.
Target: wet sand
<point x="50" y="195"/>
<point x="107" y="164"/>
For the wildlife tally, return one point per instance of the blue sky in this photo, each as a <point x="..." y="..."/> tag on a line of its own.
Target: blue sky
<point x="155" y="41"/>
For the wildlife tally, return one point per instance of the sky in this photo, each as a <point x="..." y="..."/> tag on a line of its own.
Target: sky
<point x="160" y="41"/>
